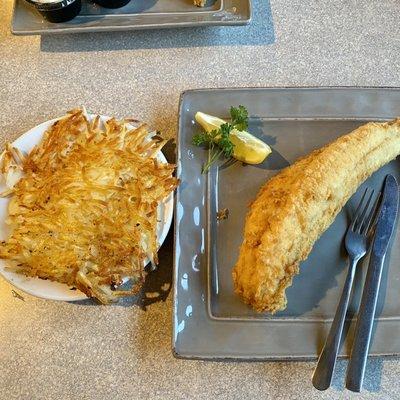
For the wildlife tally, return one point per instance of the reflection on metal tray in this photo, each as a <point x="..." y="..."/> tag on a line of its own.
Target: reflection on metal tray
<point x="137" y="14"/>
<point x="294" y="121"/>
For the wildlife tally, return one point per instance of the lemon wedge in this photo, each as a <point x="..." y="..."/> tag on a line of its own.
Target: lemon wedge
<point x="247" y="148"/>
<point x="208" y="122"/>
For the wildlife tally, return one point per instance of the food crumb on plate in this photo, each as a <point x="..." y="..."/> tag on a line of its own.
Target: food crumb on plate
<point x="152" y="295"/>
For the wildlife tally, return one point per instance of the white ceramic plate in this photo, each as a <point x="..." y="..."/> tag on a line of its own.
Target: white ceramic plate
<point x="45" y="288"/>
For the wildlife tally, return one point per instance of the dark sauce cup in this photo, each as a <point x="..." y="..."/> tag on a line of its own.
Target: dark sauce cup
<point x="57" y="10"/>
<point x="112" y="3"/>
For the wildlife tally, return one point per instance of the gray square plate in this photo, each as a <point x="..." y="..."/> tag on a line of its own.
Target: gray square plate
<point x="209" y="320"/>
<point x="138" y="14"/>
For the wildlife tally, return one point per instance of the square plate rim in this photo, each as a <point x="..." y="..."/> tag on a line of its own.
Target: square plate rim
<point x="279" y="87"/>
<point x="218" y="323"/>
<point x="244" y="18"/>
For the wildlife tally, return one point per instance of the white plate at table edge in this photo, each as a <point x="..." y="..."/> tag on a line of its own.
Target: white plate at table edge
<point x="47" y="289"/>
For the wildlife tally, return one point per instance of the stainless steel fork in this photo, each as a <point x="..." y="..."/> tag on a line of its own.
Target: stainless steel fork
<point x="356" y="242"/>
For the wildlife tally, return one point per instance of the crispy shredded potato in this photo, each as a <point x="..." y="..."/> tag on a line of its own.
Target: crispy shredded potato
<point x="84" y="204"/>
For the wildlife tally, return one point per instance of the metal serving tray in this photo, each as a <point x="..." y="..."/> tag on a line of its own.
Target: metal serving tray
<point x="138" y="14"/>
<point x="210" y="321"/>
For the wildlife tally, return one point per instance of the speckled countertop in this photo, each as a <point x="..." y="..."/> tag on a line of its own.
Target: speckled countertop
<point x="51" y="350"/>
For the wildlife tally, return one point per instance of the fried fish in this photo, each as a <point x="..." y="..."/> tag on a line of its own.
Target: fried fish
<point x="297" y="205"/>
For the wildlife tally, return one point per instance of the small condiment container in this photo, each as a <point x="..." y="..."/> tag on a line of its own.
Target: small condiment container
<point x="112" y="3"/>
<point x="57" y="10"/>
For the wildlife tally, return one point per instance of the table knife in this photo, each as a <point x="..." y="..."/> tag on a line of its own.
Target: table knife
<point x="383" y="231"/>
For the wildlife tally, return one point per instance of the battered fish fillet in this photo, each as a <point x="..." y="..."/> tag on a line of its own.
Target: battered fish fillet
<point x="296" y="206"/>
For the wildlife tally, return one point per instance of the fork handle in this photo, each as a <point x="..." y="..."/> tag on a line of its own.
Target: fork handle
<point x="323" y="373"/>
<point x="365" y="322"/>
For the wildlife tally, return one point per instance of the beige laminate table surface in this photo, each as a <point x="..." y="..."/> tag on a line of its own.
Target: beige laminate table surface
<point x="53" y="350"/>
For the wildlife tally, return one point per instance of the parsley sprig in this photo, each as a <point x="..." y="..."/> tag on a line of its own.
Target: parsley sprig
<point x="218" y="141"/>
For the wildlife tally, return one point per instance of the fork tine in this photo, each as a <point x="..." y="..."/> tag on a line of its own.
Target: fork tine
<point x="361" y="219"/>
<point x="372" y="215"/>
<point x="358" y="210"/>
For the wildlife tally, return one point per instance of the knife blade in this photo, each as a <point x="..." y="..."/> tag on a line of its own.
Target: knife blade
<point x="387" y="216"/>
<point x="383" y="232"/>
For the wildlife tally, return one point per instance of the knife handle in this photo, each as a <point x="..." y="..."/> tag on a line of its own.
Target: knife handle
<point x="365" y="322"/>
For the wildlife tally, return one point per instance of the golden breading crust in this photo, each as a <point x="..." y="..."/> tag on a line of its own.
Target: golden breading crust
<point x="296" y="206"/>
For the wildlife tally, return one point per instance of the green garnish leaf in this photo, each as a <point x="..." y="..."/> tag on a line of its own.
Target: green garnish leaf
<point x="201" y="139"/>
<point x="240" y="118"/>
<point x="224" y="142"/>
